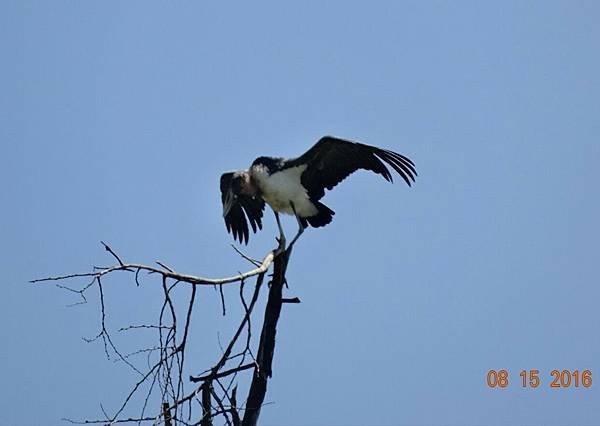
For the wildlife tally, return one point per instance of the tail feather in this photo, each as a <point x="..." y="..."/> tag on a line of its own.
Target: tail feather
<point x="322" y="218"/>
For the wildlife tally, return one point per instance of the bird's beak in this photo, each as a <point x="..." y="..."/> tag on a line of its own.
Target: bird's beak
<point x="228" y="203"/>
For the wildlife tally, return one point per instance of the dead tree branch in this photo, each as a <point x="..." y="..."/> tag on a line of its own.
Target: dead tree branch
<point x="166" y="361"/>
<point x="266" y="349"/>
<point x="167" y="273"/>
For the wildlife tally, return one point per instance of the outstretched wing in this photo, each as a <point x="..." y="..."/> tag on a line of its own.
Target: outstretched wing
<point x="235" y="219"/>
<point x="331" y="160"/>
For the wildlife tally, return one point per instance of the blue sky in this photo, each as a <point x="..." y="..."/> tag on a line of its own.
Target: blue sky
<point x="119" y="117"/>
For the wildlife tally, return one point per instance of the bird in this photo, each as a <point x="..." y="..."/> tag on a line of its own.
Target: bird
<point x="295" y="186"/>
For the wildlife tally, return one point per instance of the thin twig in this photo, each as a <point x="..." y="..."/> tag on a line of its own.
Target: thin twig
<point x="248" y="258"/>
<point x="222" y="373"/>
<point x="108" y="249"/>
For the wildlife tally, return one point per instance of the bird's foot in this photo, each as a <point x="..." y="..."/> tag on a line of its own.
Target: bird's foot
<point x="281" y="240"/>
<point x="281" y="244"/>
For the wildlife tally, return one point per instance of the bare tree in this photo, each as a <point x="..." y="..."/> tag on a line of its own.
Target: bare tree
<point x="195" y="400"/>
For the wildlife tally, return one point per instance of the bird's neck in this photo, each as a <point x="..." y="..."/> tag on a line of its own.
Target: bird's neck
<point x="259" y="172"/>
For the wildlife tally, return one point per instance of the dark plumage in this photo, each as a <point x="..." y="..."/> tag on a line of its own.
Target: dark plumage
<point x="253" y="208"/>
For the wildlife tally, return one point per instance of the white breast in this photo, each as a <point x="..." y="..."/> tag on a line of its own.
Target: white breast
<point x="282" y="187"/>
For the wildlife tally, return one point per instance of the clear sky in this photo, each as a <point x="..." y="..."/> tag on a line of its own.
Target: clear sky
<point x="119" y="117"/>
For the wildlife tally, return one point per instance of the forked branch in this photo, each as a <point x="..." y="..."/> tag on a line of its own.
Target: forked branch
<point x="213" y="393"/>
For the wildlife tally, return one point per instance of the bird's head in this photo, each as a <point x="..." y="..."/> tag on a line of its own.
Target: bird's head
<point x="234" y="185"/>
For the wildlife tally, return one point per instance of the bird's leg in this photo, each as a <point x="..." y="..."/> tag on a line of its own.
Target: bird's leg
<point x="281" y="239"/>
<point x="300" y="226"/>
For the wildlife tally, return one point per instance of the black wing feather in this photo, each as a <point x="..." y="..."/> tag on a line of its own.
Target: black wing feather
<point x="331" y="160"/>
<point x="244" y="209"/>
